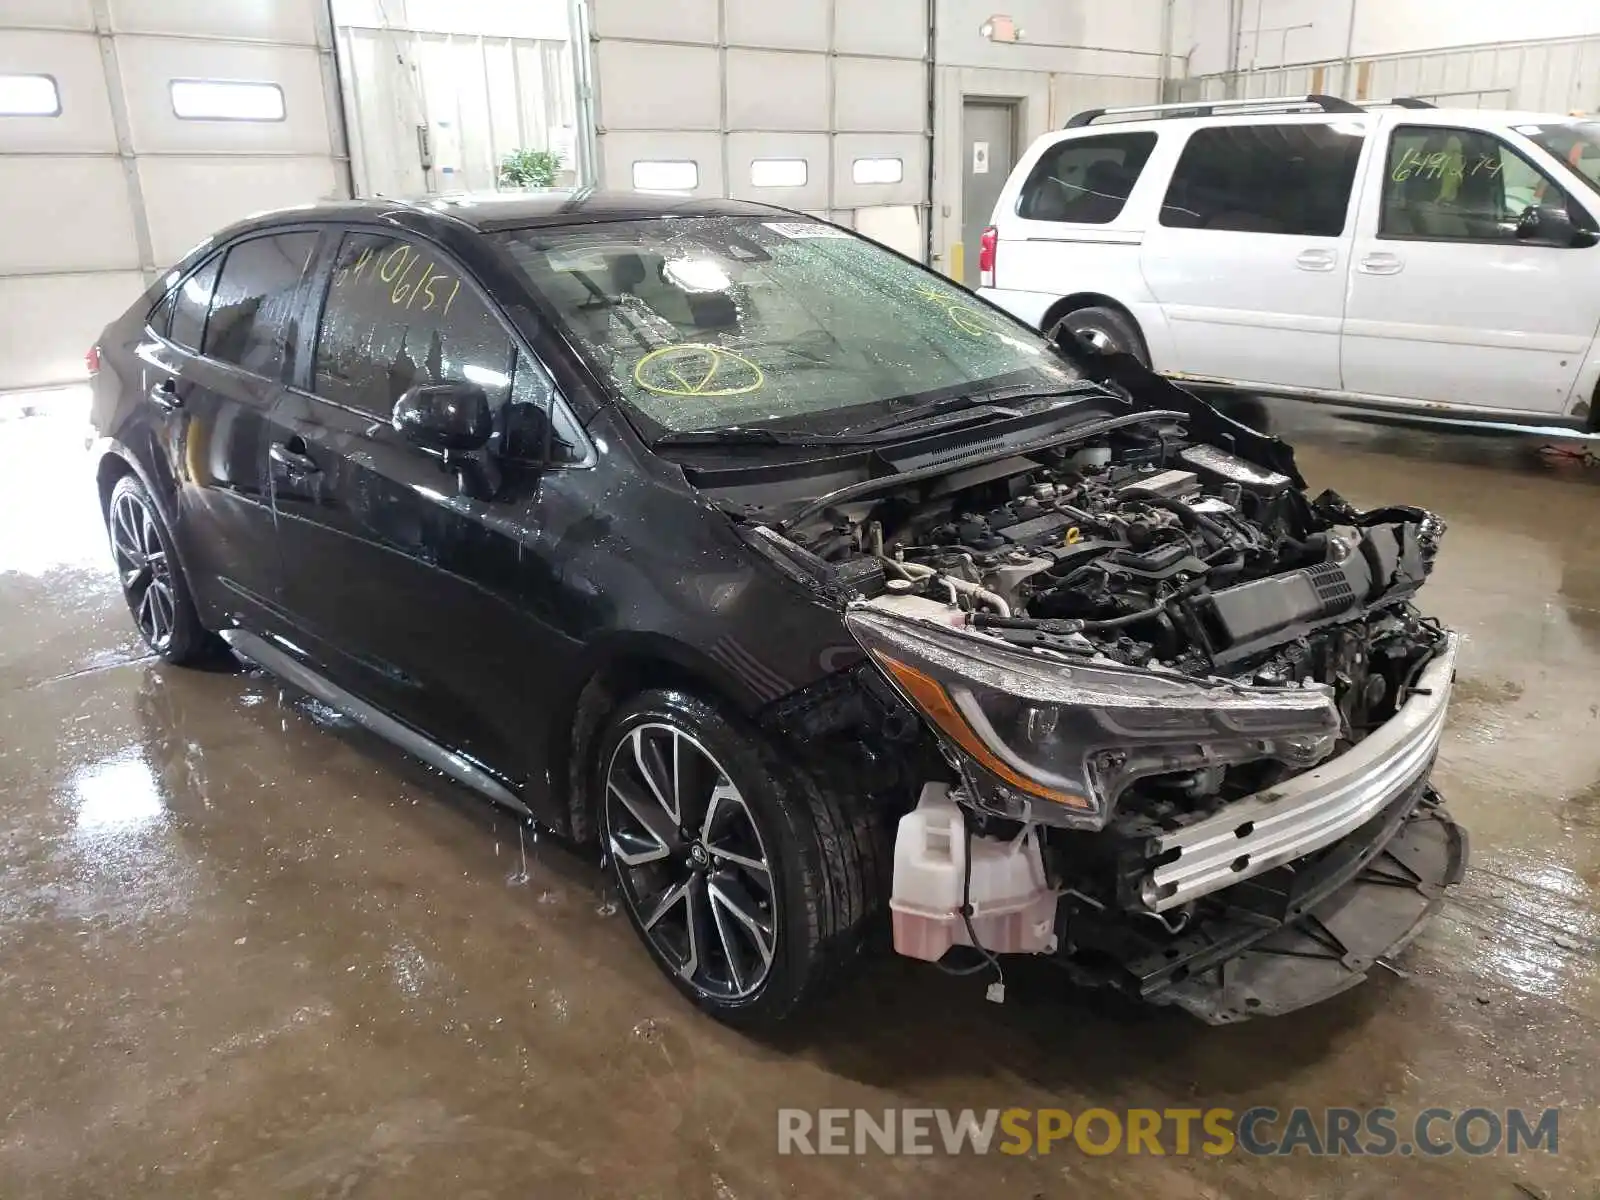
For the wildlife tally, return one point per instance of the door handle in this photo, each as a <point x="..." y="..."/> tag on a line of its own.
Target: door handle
<point x="165" y="395"/>
<point x="296" y="462"/>
<point x="1316" y="260"/>
<point x="1381" y="264"/>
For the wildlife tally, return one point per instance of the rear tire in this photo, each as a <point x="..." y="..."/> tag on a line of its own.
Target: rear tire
<point x="749" y="883"/>
<point x="152" y="579"/>
<point x="1107" y="330"/>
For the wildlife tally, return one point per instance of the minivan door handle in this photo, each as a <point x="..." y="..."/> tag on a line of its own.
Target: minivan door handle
<point x="165" y="395"/>
<point x="1381" y="264"/>
<point x="1316" y="260"/>
<point x="295" y="461"/>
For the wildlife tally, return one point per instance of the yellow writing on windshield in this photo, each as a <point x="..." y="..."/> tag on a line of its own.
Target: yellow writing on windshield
<point x="696" y="369"/>
<point x="972" y="321"/>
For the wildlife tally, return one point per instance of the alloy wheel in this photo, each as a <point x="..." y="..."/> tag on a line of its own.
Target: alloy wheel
<point x="142" y="566"/>
<point x="1098" y="339"/>
<point x="691" y="861"/>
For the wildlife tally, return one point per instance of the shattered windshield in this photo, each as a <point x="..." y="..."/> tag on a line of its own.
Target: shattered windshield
<point x="709" y="322"/>
<point x="1576" y="143"/>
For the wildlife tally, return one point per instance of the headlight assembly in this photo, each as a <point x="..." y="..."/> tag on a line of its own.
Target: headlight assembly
<point x="1057" y="741"/>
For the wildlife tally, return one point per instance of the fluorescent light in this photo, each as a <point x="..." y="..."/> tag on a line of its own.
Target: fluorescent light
<point x="226" y="100"/>
<point x="29" y="96"/>
<point x="778" y="172"/>
<point x="671" y="176"/>
<point x="877" y="170"/>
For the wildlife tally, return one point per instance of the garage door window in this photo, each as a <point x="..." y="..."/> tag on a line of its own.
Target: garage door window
<point x="877" y="170"/>
<point x="29" y="96"/>
<point x="670" y="176"/>
<point x="1293" y="179"/>
<point x="253" y="310"/>
<point x="1462" y="185"/>
<point x="1085" y="181"/>
<point x="226" y="100"/>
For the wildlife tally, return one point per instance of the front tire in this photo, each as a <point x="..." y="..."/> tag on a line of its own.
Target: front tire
<point x="152" y="579"/>
<point x="748" y="882"/>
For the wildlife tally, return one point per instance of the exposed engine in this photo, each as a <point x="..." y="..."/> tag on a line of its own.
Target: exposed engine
<point x="1151" y="551"/>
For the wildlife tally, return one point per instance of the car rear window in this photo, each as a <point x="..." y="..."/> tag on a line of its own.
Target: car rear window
<point x="253" y="309"/>
<point x="1283" y="178"/>
<point x="1085" y="180"/>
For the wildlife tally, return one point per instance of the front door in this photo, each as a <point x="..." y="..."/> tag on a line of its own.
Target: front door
<point x="218" y="376"/>
<point x="412" y="584"/>
<point x="1447" y="305"/>
<point x="1248" y="256"/>
<point x="988" y="140"/>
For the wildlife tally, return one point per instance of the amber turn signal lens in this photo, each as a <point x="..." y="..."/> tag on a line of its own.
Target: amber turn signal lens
<point x="929" y="695"/>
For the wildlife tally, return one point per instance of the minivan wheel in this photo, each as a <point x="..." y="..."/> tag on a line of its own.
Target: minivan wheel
<point x="1108" y="331"/>
<point x="742" y="876"/>
<point x="152" y="580"/>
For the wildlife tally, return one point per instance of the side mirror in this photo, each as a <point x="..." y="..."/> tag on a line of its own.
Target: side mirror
<point x="1552" y="225"/>
<point x="451" y="418"/>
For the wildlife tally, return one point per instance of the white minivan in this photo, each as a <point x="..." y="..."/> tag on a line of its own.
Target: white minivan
<point x="1394" y="256"/>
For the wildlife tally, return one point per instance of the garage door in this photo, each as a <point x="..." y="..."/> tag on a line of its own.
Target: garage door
<point x="821" y="105"/>
<point x="130" y="129"/>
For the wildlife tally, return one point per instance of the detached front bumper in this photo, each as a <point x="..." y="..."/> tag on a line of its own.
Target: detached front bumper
<point x="1259" y="833"/>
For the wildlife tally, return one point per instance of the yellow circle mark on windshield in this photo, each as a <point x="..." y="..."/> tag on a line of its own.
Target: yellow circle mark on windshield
<point x="695" y="369"/>
<point x="973" y="322"/>
<point x="970" y="320"/>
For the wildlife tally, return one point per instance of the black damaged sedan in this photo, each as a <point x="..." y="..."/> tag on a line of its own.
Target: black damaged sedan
<point x="817" y="592"/>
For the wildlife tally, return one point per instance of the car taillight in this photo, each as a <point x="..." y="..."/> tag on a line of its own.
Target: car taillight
<point x="988" y="248"/>
<point x="92" y="360"/>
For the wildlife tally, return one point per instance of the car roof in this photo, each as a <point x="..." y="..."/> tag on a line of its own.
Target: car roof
<point x="491" y="211"/>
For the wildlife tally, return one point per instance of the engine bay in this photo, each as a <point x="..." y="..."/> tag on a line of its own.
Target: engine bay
<point x="1152" y="551"/>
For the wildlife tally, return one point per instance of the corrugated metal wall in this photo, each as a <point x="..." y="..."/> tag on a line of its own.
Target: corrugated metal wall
<point x="1549" y="76"/>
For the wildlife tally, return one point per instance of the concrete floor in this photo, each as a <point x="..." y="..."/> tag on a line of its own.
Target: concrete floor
<point x="246" y="951"/>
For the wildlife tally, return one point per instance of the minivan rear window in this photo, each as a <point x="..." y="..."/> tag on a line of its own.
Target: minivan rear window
<point x="1085" y="181"/>
<point x="1284" y="178"/>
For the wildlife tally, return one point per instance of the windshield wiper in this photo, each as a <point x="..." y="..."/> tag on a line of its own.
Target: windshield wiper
<point x="975" y="405"/>
<point x="742" y="435"/>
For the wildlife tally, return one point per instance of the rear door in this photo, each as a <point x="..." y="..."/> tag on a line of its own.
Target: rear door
<point x="1447" y="305"/>
<point x="412" y="584"/>
<point x="1249" y="253"/>
<point x="1069" y="228"/>
<point x="217" y="375"/>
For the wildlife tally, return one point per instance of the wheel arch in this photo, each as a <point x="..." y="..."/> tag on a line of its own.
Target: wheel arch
<point x="623" y="667"/>
<point x="1072" y="303"/>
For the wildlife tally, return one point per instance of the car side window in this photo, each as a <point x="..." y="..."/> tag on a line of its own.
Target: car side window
<point x="399" y="314"/>
<point x="1268" y="178"/>
<point x="186" y="308"/>
<point x="537" y="426"/>
<point x="253" y="311"/>
<point x="1085" y="180"/>
<point x="1452" y="184"/>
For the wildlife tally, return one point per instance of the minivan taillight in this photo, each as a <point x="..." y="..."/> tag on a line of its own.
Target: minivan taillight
<point x="988" y="249"/>
<point x="92" y="360"/>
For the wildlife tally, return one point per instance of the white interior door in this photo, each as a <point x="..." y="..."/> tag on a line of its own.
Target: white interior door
<point x="1447" y="305"/>
<point x="1249" y="253"/>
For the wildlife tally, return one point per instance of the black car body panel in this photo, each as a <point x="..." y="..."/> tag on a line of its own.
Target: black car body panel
<point x="490" y="604"/>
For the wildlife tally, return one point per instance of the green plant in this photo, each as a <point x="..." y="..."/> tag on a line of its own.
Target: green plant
<point x="530" y="168"/>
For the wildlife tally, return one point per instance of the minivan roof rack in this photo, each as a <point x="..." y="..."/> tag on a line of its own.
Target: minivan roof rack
<point x="1208" y="108"/>
<point x="1411" y="102"/>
